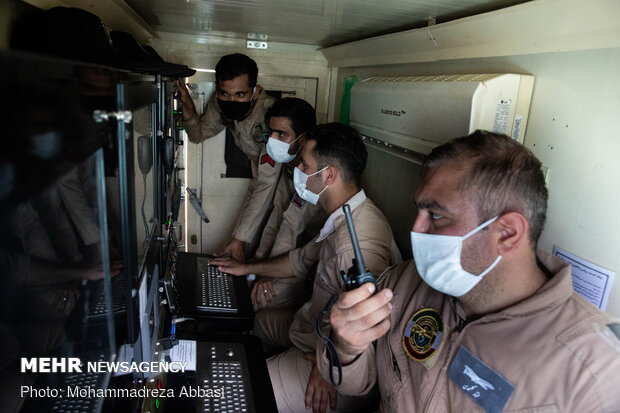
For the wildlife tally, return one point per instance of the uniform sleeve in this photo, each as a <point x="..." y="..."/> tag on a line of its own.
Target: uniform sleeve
<point x="375" y="243"/>
<point x="269" y="234"/>
<point x="358" y="378"/>
<point x="327" y="282"/>
<point x="280" y="201"/>
<point x="259" y="201"/>
<point x="302" y="259"/>
<point x="205" y="126"/>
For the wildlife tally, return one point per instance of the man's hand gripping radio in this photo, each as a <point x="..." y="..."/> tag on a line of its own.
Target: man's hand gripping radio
<point x="358" y="274"/>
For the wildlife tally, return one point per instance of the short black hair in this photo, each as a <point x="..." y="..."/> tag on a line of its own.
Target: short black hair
<point x="342" y="146"/>
<point x="236" y="64"/>
<point x="298" y="111"/>
<point x="501" y="175"/>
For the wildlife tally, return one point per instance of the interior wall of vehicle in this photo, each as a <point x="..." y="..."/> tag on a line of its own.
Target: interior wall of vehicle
<point x="571" y="126"/>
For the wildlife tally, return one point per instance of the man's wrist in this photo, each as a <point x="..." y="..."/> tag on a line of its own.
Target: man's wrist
<point x="346" y="359"/>
<point x="236" y="240"/>
<point x="250" y="268"/>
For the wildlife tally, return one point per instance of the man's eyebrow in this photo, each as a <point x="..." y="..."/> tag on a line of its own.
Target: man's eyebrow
<point x="276" y="130"/>
<point x="431" y="205"/>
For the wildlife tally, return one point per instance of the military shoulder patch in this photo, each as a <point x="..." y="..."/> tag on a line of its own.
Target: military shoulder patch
<point x="423" y="334"/>
<point x="297" y="201"/>
<point x="267" y="159"/>
<point x="260" y="133"/>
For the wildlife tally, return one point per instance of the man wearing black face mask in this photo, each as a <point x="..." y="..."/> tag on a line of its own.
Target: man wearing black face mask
<point x="238" y="104"/>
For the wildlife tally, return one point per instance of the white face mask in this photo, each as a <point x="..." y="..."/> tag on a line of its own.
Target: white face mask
<point x="438" y="260"/>
<point x="278" y="150"/>
<point x="299" y="180"/>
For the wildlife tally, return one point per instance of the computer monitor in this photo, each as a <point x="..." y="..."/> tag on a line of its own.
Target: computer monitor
<point x="56" y="241"/>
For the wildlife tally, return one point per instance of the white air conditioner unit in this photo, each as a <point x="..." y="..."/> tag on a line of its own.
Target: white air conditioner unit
<point x="421" y="112"/>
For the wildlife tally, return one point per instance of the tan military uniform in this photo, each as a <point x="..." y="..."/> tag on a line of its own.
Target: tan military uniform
<point x="555" y="349"/>
<point x="258" y="200"/>
<point x="289" y="373"/>
<point x="292" y="223"/>
<point x="249" y="135"/>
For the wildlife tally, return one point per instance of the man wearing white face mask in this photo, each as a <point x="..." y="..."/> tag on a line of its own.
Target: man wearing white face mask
<point x="292" y="223"/>
<point x="479" y="320"/>
<point x="292" y="220"/>
<point x="238" y="104"/>
<point x="329" y="173"/>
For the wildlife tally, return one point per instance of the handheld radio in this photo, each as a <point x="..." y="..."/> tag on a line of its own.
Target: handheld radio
<point x="358" y="274"/>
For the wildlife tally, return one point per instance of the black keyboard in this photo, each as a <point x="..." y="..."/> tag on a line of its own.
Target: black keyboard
<point x="231" y="374"/>
<point x="217" y="302"/>
<point x="215" y="290"/>
<point x="85" y="381"/>
<point x="97" y="306"/>
<point x="77" y="392"/>
<point x="225" y="368"/>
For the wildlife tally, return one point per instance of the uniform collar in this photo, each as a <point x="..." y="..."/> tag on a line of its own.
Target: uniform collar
<point x="553" y="293"/>
<point x="329" y="227"/>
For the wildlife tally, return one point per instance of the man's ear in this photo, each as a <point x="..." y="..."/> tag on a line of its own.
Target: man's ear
<point x="512" y="230"/>
<point x="257" y="91"/>
<point x="330" y="175"/>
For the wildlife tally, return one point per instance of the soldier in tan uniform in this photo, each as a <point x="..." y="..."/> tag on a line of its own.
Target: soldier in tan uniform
<point x="238" y="104"/>
<point x="329" y="173"/>
<point x="479" y="321"/>
<point x="292" y="221"/>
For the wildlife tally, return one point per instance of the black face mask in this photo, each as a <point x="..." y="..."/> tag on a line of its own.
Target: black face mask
<point x="234" y="110"/>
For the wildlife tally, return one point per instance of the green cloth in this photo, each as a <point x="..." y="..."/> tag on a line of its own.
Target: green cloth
<point x="345" y="102"/>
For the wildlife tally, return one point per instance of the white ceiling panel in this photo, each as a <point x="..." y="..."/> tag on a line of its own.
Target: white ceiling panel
<point x="316" y="22"/>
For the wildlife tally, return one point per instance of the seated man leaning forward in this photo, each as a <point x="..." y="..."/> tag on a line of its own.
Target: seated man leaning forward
<point x="479" y="320"/>
<point x="329" y="172"/>
<point x="292" y="223"/>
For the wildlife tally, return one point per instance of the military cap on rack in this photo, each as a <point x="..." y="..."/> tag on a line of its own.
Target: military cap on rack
<point x="65" y="32"/>
<point x="134" y="57"/>
<point x="77" y="34"/>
